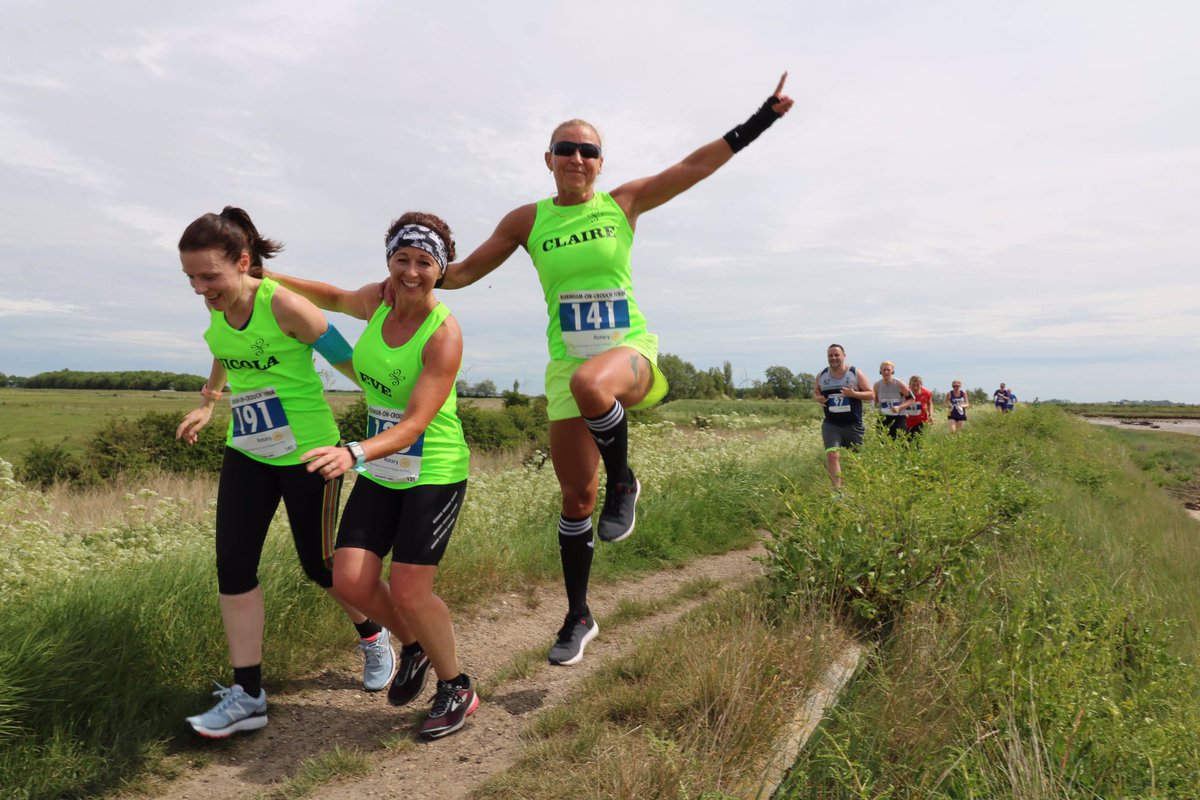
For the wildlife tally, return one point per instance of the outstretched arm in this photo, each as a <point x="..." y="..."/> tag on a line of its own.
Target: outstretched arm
<point x="360" y="303"/>
<point x="512" y="232"/>
<point x="302" y="320"/>
<point x="643" y="194"/>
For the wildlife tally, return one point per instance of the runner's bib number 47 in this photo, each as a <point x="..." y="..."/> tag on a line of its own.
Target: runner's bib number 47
<point x="400" y="467"/>
<point x="260" y="426"/>
<point x="593" y="322"/>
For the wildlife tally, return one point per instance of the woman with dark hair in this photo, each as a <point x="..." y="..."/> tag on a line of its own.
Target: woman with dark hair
<point x="602" y="355"/>
<point x="413" y="462"/>
<point x="262" y="338"/>
<point x="957" y="402"/>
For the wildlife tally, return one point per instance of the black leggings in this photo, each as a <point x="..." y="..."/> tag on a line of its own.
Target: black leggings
<point x="247" y="498"/>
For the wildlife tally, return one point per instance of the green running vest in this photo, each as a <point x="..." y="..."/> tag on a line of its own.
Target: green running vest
<point x="388" y="376"/>
<point x="581" y="254"/>
<point x="278" y="404"/>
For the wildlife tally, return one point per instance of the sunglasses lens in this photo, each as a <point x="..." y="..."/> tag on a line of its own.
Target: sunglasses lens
<point x="567" y="149"/>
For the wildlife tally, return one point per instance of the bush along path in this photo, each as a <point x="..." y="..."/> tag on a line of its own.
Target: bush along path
<point x="1034" y="601"/>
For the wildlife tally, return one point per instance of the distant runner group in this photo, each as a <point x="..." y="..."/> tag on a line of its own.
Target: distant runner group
<point x="411" y="459"/>
<point x="842" y="389"/>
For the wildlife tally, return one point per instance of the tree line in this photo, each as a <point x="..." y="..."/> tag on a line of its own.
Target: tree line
<point x="687" y="382"/>
<point x="142" y="380"/>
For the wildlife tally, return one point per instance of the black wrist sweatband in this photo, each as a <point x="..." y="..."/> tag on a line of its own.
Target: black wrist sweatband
<point x="748" y="131"/>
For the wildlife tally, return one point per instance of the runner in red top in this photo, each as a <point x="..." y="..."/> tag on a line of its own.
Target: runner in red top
<point x="916" y="408"/>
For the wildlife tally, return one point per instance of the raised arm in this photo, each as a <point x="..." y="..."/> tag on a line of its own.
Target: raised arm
<point x="360" y="303"/>
<point x="512" y="232"/>
<point x="643" y="194"/>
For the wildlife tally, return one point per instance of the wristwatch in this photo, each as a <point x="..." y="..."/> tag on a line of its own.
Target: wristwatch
<point x="359" y="455"/>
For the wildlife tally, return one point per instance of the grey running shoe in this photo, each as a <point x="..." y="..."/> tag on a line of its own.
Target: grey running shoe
<point x="617" y="516"/>
<point x="236" y="711"/>
<point x="379" y="661"/>
<point x="573" y="636"/>
<point x="410" y="678"/>
<point x="451" y="705"/>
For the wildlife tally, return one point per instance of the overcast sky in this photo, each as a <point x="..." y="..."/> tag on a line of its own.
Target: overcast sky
<point x="985" y="191"/>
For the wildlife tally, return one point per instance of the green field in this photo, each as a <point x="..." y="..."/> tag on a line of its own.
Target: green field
<point x="71" y="416"/>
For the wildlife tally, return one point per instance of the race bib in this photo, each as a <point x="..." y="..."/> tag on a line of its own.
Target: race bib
<point x="593" y="322"/>
<point x="400" y="467"/>
<point x="888" y="407"/>
<point x="914" y="410"/>
<point x="837" y="404"/>
<point x="260" y="427"/>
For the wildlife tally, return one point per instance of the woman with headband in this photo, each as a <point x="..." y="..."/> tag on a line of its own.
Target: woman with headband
<point x="262" y="338"/>
<point x="412" y="462"/>
<point x="602" y="355"/>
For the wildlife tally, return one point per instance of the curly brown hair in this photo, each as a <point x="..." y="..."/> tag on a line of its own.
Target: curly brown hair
<point x="431" y="221"/>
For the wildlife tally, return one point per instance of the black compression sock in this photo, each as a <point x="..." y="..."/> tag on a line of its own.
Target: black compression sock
<point x="610" y="431"/>
<point x="575" y="550"/>
<point x="249" y="678"/>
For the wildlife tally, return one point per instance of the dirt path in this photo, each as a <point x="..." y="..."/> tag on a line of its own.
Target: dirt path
<point x="330" y="709"/>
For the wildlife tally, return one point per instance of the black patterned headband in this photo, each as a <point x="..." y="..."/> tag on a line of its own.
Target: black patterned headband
<point x="422" y="238"/>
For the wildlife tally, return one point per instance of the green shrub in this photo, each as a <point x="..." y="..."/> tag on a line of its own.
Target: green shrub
<point x="47" y="464"/>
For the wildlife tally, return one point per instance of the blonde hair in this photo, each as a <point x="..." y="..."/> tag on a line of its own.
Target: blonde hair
<point x="572" y="123"/>
<point x="887" y="364"/>
<point x="916" y="378"/>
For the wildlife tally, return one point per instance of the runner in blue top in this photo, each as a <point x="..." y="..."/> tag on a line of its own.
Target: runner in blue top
<point x="841" y="389"/>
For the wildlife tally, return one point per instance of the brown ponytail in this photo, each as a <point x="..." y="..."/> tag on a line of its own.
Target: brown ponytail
<point x="232" y="232"/>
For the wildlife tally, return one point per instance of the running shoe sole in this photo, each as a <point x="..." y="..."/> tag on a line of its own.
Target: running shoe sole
<point x="251" y="723"/>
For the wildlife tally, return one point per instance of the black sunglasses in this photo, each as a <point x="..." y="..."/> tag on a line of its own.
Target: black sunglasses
<point x="586" y="149"/>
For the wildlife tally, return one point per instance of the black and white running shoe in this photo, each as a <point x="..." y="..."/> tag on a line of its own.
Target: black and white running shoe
<point x="410" y="678"/>
<point x="617" y="517"/>
<point x="573" y="636"/>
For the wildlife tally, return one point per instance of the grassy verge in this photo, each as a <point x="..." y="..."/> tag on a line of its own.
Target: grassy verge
<point x="108" y="637"/>
<point x="1035" y="601"/>
<point x="691" y="714"/>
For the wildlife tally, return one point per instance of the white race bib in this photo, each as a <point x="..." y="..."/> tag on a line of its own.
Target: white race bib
<point x="260" y="427"/>
<point x="838" y="404"/>
<point x="593" y="322"/>
<point x="403" y="466"/>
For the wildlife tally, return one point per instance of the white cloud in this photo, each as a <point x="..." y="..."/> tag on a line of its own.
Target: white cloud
<point x="13" y="307"/>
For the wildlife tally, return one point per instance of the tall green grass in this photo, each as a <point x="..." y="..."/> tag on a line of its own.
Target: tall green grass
<point x="1047" y="649"/>
<point x="98" y="667"/>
